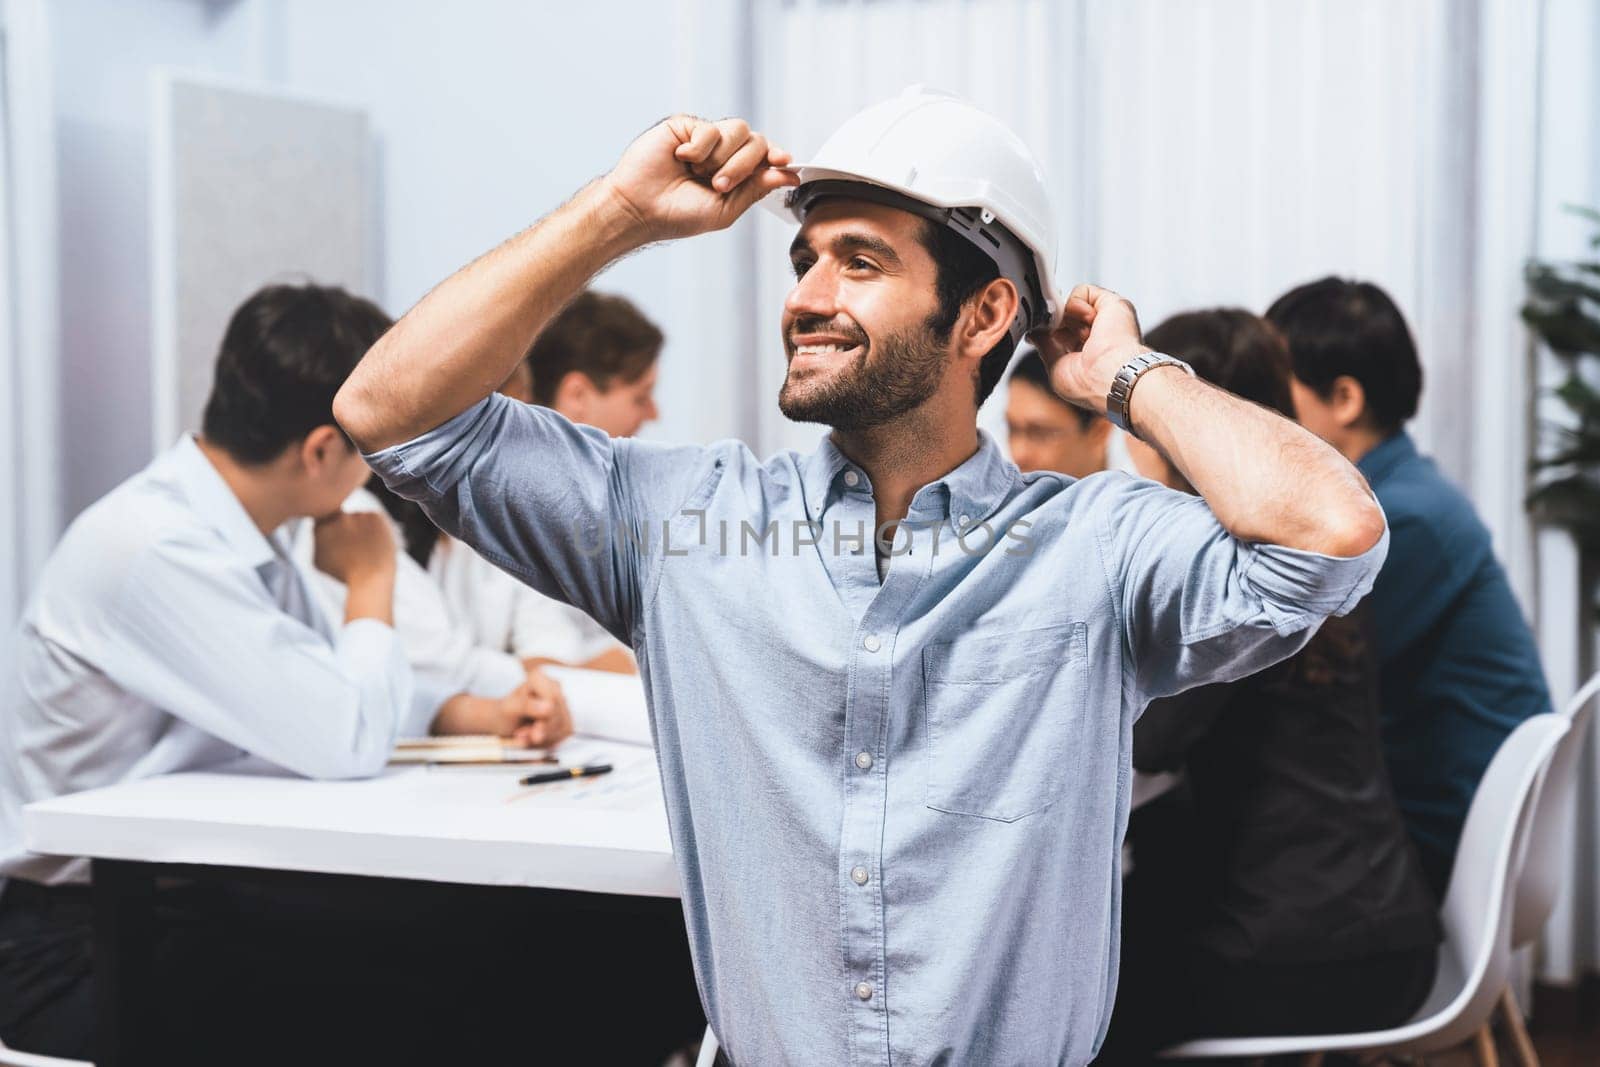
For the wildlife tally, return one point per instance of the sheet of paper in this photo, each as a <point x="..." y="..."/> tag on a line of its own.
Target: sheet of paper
<point x="605" y="704"/>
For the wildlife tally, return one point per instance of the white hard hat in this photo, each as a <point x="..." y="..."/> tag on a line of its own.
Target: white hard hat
<point x="938" y="156"/>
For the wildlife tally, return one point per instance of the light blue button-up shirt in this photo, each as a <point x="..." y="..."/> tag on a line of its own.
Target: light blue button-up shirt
<point x="897" y="807"/>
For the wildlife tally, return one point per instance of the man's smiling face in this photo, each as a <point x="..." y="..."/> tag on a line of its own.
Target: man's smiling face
<point x="856" y="325"/>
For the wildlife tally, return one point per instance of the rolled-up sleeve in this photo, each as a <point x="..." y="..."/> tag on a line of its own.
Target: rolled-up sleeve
<point x="563" y="508"/>
<point x="1198" y="605"/>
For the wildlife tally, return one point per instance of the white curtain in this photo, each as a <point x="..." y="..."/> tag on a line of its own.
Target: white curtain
<point x="1218" y="153"/>
<point x="1202" y="153"/>
<point x="29" y="486"/>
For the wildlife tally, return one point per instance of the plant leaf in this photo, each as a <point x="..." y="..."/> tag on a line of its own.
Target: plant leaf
<point x="1566" y="330"/>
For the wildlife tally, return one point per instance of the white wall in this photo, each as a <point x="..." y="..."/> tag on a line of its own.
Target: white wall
<point x="103" y="52"/>
<point x="30" y="491"/>
<point x="489" y="115"/>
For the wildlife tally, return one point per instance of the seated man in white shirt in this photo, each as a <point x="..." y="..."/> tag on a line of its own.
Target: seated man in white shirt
<point x="596" y="363"/>
<point x="172" y="629"/>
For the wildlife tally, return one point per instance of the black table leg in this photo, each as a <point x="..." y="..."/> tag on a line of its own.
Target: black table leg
<point x="124" y="960"/>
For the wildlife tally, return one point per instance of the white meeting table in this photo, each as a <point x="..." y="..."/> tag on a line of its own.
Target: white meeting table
<point x="475" y="826"/>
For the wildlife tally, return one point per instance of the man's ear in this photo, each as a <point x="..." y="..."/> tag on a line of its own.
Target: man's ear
<point x="322" y="446"/>
<point x="1347" y="400"/>
<point x="574" y="393"/>
<point x="994" y="307"/>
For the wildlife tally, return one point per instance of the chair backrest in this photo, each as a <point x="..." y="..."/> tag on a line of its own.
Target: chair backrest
<point x="1477" y="906"/>
<point x="1550" y="840"/>
<point x="708" y="1049"/>
<point x="12" y="1058"/>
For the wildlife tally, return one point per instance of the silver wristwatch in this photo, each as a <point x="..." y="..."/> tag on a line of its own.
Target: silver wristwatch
<point x="1122" y="385"/>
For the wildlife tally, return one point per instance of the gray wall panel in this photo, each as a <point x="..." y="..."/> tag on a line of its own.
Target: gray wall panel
<point x="249" y="187"/>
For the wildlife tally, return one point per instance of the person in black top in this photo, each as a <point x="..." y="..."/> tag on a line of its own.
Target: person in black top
<point x="1277" y="892"/>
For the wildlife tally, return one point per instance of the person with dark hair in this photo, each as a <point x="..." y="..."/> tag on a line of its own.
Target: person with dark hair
<point x="263" y="402"/>
<point x="596" y="364"/>
<point x="1276" y="891"/>
<point x="1459" y="665"/>
<point x="891" y="682"/>
<point x="173" y="627"/>
<point x="1044" y="432"/>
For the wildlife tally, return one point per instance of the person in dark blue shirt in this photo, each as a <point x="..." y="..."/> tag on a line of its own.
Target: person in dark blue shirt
<point x="1459" y="668"/>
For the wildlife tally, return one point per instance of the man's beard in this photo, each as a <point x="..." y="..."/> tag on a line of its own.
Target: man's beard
<point x="888" y="379"/>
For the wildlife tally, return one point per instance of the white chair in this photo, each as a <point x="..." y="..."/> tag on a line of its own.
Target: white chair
<point x="1476" y="955"/>
<point x="1550" y="843"/>
<point x="1550" y="840"/>
<point x="708" y="1049"/>
<point x="9" y="1058"/>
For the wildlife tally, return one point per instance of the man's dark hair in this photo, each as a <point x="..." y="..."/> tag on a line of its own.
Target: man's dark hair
<point x="601" y="336"/>
<point x="286" y="352"/>
<point x="1337" y="327"/>
<point x="1030" y="368"/>
<point x="962" y="271"/>
<point x="1231" y="348"/>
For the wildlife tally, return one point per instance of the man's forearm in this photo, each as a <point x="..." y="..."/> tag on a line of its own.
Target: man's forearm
<point x="370" y="595"/>
<point x="465" y="337"/>
<point x="464" y="714"/>
<point x="1266" y="478"/>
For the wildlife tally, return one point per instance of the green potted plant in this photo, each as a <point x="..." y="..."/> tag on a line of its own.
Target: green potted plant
<point x="1563" y="308"/>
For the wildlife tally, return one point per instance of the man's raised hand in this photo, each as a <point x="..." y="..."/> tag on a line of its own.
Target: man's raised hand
<point x="1098" y="333"/>
<point x="686" y="176"/>
<point x="683" y="176"/>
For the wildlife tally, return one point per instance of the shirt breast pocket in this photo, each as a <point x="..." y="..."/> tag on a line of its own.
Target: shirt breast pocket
<point x="999" y="711"/>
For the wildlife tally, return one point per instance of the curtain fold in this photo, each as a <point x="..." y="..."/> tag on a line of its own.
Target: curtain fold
<point x="29" y="462"/>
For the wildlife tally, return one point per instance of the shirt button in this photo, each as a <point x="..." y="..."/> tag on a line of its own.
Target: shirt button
<point x="864" y="760"/>
<point x="871" y="643"/>
<point x="859" y="876"/>
<point x="864" y="990"/>
<point x="852" y="479"/>
<point x="962" y="520"/>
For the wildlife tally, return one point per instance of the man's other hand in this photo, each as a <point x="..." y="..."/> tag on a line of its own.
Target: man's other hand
<point x="535" y="714"/>
<point x="1099" y="332"/>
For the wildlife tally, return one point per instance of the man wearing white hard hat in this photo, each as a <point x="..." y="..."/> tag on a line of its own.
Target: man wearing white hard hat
<point x="892" y="681"/>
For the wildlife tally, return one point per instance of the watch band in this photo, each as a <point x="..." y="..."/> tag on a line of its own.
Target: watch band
<point x="1122" y="385"/>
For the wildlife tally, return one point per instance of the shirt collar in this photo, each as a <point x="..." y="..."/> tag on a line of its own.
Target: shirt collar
<point x="1379" y="463"/>
<point x="975" y="489"/>
<point x="214" y="502"/>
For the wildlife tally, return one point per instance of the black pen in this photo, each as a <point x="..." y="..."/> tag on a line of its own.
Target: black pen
<point x="571" y="772"/>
